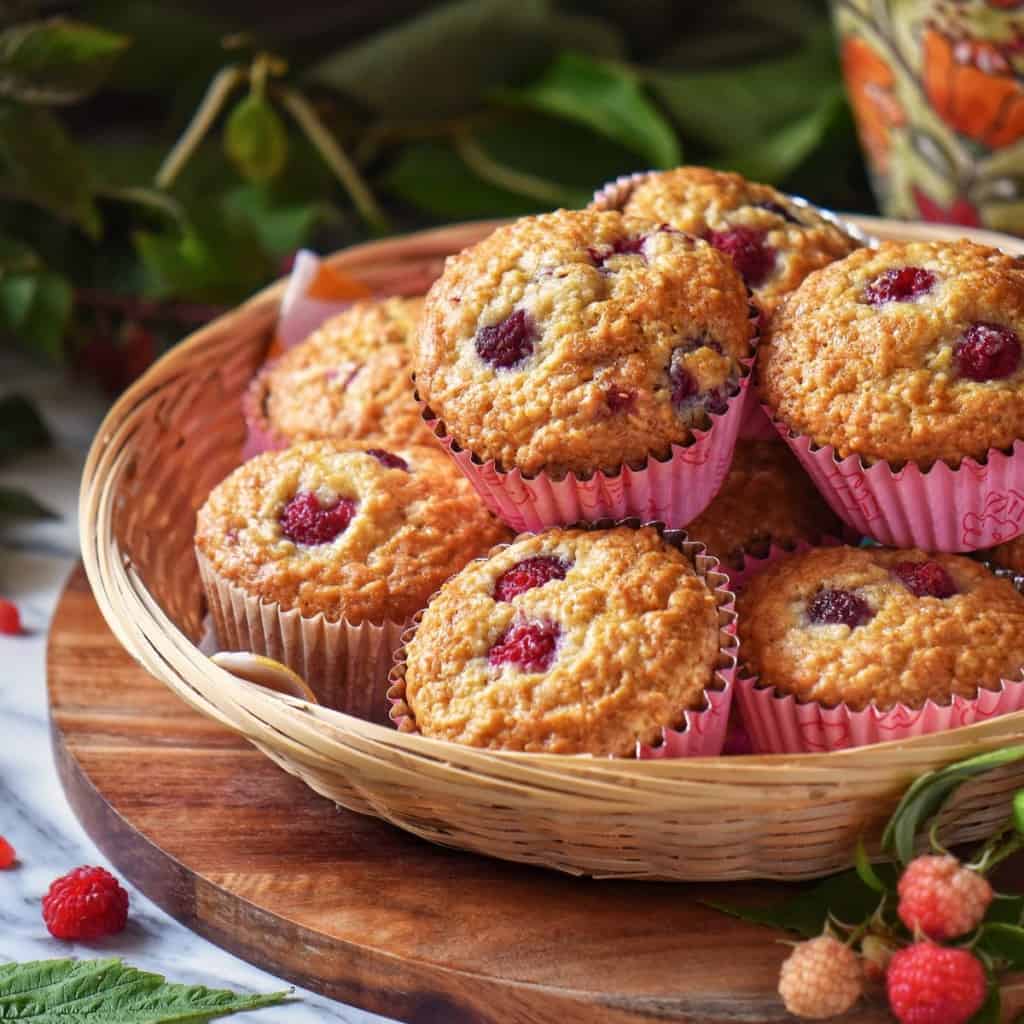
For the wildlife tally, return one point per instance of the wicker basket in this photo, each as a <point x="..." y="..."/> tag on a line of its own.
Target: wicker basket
<point x="179" y="430"/>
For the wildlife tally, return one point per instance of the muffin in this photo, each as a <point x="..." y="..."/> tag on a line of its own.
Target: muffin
<point x="573" y="641"/>
<point x="774" y="241"/>
<point x="577" y="343"/>
<point x="349" y="380"/>
<point x="846" y="646"/>
<point x="898" y="374"/>
<point x="1008" y="556"/>
<point x="318" y="555"/>
<point x="767" y="499"/>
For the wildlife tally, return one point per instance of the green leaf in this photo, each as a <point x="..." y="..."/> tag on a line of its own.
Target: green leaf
<point x="19" y="505"/>
<point x="255" y="139"/>
<point x="928" y="793"/>
<point x="1004" y="942"/>
<point x="35" y="310"/>
<point x="865" y="870"/>
<point x="844" y="896"/>
<point x="1018" y="811"/>
<point x="40" y="164"/>
<point x="21" y="427"/>
<point x="281" y="227"/>
<point x="1005" y="910"/>
<point x="609" y="99"/>
<point x="111" y="992"/>
<point x="55" y="61"/>
<point x="16" y="257"/>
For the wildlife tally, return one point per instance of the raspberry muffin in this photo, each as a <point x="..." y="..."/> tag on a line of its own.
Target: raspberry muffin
<point x="846" y="646"/>
<point x="574" y="641"/>
<point x="349" y="380"/>
<point x="898" y="374"/>
<point x="767" y="499"/>
<point x="318" y="555"/>
<point x="579" y="343"/>
<point x="774" y="241"/>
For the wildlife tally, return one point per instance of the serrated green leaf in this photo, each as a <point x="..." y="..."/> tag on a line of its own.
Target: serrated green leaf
<point x="20" y="505"/>
<point x="927" y="795"/>
<point x="865" y="870"/>
<point x="35" y="310"/>
<point x="609" y="99"/>
<point x="55" y="61"/>
<point x="1004" y="942"/>
<point x="40" y="164"/>
<point x="111" y="992"/>
<point x="21" y="427"/>
<point x="255" y="139"/>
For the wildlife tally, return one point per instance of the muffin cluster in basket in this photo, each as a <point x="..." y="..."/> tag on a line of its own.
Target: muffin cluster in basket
<point x="514" y="514"/>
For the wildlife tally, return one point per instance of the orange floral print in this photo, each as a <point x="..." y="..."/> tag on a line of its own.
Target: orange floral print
<point x="869" y="83"/>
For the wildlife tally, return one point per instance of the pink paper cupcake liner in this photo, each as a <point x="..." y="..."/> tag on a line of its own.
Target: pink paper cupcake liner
<point x="704" y="731"/>
<point x="779" y="724"/>
<point x="975" y="506"/>
<point x="346" y="665"/>
<point x="756" y="424"/>
<point x="260" y="435"/>
<point x="674" y="491"/>
<point x="754" y="564"/>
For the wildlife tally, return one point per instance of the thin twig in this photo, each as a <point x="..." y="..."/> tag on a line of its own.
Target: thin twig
<point x="144" y="197"/>
<point x="334" y="156"/>
<point x="206" y="113"/>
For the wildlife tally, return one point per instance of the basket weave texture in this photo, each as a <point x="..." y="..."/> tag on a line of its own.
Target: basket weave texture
<point x="179" y="430"/>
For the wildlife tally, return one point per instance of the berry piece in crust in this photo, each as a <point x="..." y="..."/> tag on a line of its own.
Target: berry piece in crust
<point x="774" y="243"/>
<point x="577" y="341"/>
<point x="591" y="661"/>
<point x="879" y="642"/>
<point x="934" y="377"/>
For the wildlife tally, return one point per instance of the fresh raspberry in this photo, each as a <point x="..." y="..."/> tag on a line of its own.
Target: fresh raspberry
<point x="7" y="854"/>
<point x="929" y="984"/>
<point x="618" y="399"/>
<point x="305" y="521"/>
<point x="941" y="899"/>
<point x="530" y="645"/>
<point x="839" y="607"/>
<point x="388" y="459"/>
<point x="87" y="903"/>
<point x="620" y="247"/>
<point x="875" y="955"/>
<point x="506" y="343"/>
<point x="779" y="210"/>
<point x="900" y="284"/>
<point x="753" y="259"/>
<point x="987" y="352"/>
<point x="820" y="978"/>
<point x="10" y="618"/>
<point x="925" y="579"/>
<point x="530" y="573"/>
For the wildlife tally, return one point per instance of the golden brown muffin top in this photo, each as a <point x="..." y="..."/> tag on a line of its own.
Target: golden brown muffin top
<point x="351" y="378"/>
<point x="369" y="540"/>
<point x="908" y="352"/>
<point x="570" y="641"/>
<point x="578" y="340"/>
<point x="858" y="626"/>
<point x="766" y="498"/>
<point x="775" y="242"/>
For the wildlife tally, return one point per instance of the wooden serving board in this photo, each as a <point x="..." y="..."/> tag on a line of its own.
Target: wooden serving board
<point x="253" y="860"/>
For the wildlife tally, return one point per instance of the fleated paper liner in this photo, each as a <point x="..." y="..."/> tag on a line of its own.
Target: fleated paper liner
<point x="754" y="564"/>
<point x="345" y="665"/>
<point x="975" y="506"/>
<point x="704" y="731"/>
<point x="260" y="435"/>
<point x="779" y="724"/>
<point x="756" y="425"/>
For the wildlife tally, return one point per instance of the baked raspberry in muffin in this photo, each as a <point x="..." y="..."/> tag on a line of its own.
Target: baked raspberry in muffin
<point x="318" y="555"/>
<point x="864" y="627"/>
<point x="774" y="242"/>
<point x="766" y="499"/>
<point x="580" y="341"/>
<point x="349" y="380"/>
<point x="569" y="641"/>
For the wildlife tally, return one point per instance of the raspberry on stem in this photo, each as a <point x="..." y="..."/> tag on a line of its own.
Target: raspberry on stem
<point x="929" y="984"/>
<point x="942" y="899"/>
<point x="821" y="978"/>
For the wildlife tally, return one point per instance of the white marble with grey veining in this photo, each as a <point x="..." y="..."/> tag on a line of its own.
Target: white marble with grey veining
<point x="35" y="559"/>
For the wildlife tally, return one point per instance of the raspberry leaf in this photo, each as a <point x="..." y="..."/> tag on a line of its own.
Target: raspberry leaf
<point x="111" y="992"/>
<point x="865" y="870"/>
<point x="1003" y="942"/>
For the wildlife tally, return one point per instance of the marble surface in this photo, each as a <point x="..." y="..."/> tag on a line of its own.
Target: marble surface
<point x="35" y="559"/>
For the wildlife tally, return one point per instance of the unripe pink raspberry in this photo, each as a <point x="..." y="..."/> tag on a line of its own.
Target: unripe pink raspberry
<point x="929" y="984"/>
<point x="876" y="953"/>
<point x="820" y="978"/>
<point x="942" y="899"/>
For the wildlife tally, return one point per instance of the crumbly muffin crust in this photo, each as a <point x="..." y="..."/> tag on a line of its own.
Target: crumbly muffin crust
<point x="639" y="644"/>
<point x="349" y="379"/>
<point x="410" y="530"/>
<point x="882" y="380"/>
<point x="910" y="650"/>
<point x="766" y="498"/>
<point x="702" y="201"/>
<point x="578" y="340"/>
